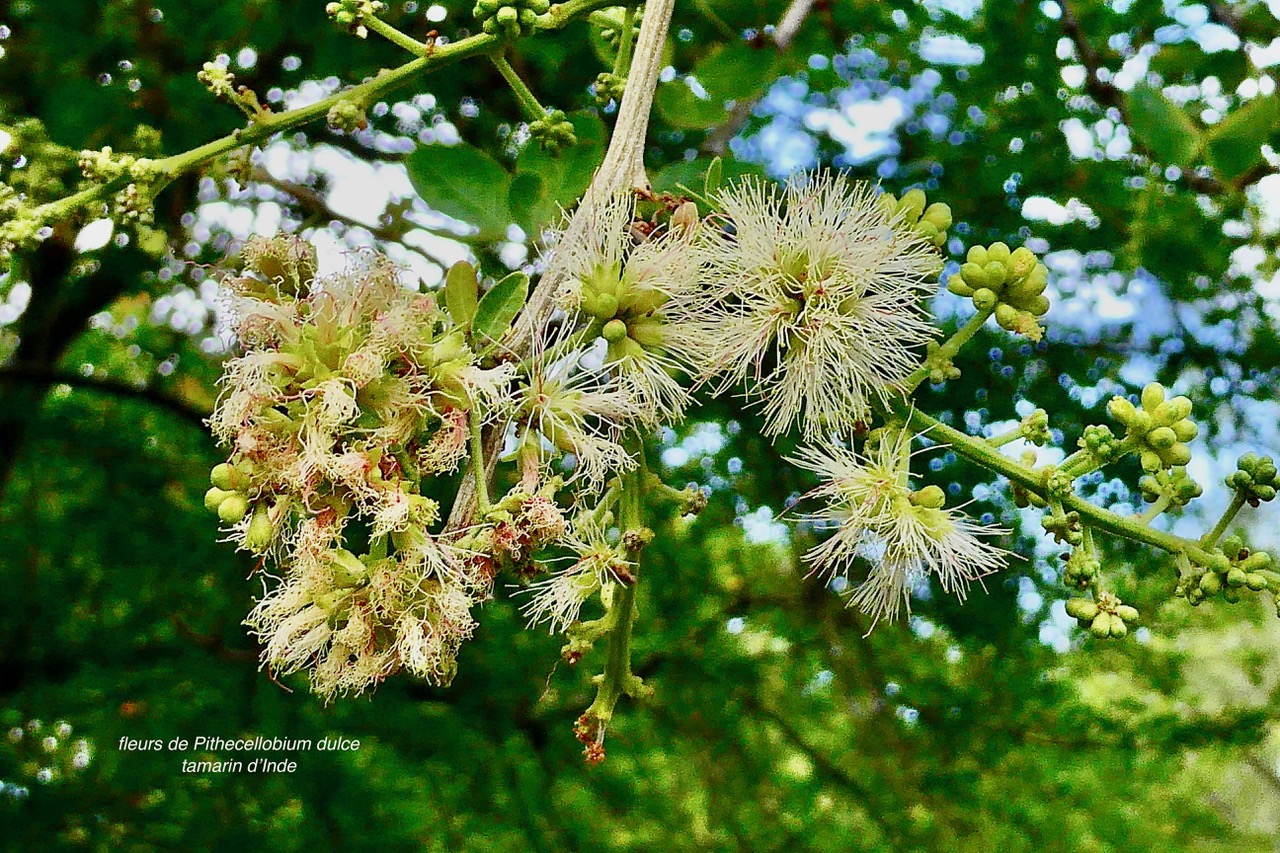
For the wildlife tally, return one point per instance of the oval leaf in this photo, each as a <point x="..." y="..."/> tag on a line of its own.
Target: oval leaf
<point x="1162" y="126"/>
<point x="498" y="308"/>
<point x="465" y="183"/>
<point x="461" y="293"/>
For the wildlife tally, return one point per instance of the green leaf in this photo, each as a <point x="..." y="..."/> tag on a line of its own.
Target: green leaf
<point x="1162" y="126"/>
<point x="498" y="308"/>
<point x="737" y="70"/>
<point x="465" y="183"/>
<point x="691" y="173"/>
<point x="562" y="177"/>
<point x="528" y="200"/>
<point x="1235" y="143"/>
<point x="461" y="293"/>
<point x="715" y="177"/>
<point x="680" y="107"/>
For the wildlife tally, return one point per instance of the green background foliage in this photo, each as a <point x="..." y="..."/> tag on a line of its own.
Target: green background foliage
<point x="777" y="722"/>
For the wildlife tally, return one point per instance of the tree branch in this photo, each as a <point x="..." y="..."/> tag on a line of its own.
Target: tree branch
<point x="33" y="375"/>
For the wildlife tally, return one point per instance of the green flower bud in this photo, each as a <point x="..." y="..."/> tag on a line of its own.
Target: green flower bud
<point x="911" y="205"/>
<point x="976" y="255"/>
<point x="1211" y="583"/>
<point x="1022" y="261"/>
<point x="1152" y="396"/>
<point x="233" y="508"/>
<point x="996" y="273"/>
<point x="614" y="330"/>
<point x="1007" y="316"/>
<point x="957" y="285"/>
<point x="998" y="253"/>
<point x="1101" y="626"/>
<point x="1185" y="430"/>
<point x="214" y="498"/>
<point x="1162" y="438"/>
<point x="1082" y="609"/>
<point x="1236" y="577"/>
<point x="261" y="531"/>
<point x="226" y="476"/>
<point x="931" y="497"/>
<point x="1255" y="581"/>
<point x="1121" y="409"/>
<point x="984" y="298"/>
<point x="975" y="275"/>
<point x="606" y="306"/>
<point x="1118" y="628"/>
<point x="938" y="215"/>
<point x="1178" y="454"/>
<point x="1150" y="461"/>
<point x="1127" y="613"/>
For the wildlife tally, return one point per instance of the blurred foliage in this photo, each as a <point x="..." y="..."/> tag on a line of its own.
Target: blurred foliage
<point x="777" y="722"/>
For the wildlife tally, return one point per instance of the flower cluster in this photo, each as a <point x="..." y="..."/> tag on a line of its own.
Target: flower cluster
<point x="353" y="392"/>
<point x="905" y="534"/>
<point x="814" y="295"/>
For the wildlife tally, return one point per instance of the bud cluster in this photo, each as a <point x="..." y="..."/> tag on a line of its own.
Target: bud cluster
<point x="1105" y="617"/>
<point x="930" y="222"/>
<point x="1175" y="485"/>
<point x="1159" y="431"/>
<point x="1255" y="478"/>
<point x="553" y="131"/>
<point x="1009" y="283"/>
<point x="351" y="14"/>
<point x="509" y="18"/>
<point x="1232" y="571"/>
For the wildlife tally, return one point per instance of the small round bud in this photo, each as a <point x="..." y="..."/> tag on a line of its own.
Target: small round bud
<point x="1162" y="438"/>
<point x="214" y="498"/>
<point x="233" y="509"/>
<point x="225" y="476"/>
<point x="1127" y="613"/>
<point x="984" y="298"/>
<point x="1082" y="609"/>
<point x="614" y="330"/>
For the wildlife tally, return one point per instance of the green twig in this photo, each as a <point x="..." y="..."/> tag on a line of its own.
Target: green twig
<point x="979" y="451"/>
<point x="528" y="101"/>
<point x="626" y="37"/>
<point x="263" y="129"/>
<point x="477" y="458"/>
<point x="1211" y="538"/>
<point x="397" y="37"/>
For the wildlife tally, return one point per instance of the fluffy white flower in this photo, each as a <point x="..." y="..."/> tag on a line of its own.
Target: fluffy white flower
<point x="815" y="300"/>
<point x="558" y="598"/>
<point x="629" y="287"/>
<point x="905" y="535"/>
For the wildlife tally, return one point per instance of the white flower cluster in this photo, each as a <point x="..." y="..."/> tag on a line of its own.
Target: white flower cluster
<point x="905" y="535"/>
<point x="352" y="392"/>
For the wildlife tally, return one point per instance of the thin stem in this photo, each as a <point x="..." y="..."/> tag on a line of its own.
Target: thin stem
<point x="622" y="62"/>
<point x="397" y="37"/>
<point x="950" y="348"/>
<point x="264" y="127"/>
<point x="528" y="101"/>
<point x="1211" y="538"/>
<point x="1005" y="438"/>
<point x="477" y="458"/>
<point x="617" y="679"/>
<point x="1161" y="504"/>
<point x="977" y="450"/>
